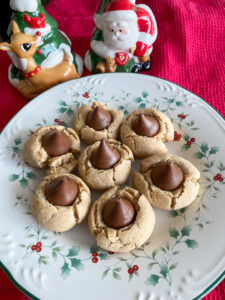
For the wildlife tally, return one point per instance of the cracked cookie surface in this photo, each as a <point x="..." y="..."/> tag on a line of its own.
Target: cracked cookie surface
<point x="143" y="146"/>
<point x="184" y="195"/>
<point x="36" y="156"/>
<point x="60" y="218"/>
<point x="90" y="135"/>
<point x="104" y="179"/>
<point x="127" y="238"/>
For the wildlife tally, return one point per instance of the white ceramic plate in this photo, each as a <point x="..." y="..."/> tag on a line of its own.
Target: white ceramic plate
<point x="184" y="258"/>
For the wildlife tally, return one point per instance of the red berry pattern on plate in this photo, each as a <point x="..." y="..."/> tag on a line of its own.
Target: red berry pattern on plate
<point x="177" y="136"/>
<point x="44" y="251"/>
<point x="86" y="95"/>
<point x="94" y="259"/>
<point x="135" y="268"/>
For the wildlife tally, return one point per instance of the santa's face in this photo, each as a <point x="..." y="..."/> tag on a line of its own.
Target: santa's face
<point x="120" y="35"/>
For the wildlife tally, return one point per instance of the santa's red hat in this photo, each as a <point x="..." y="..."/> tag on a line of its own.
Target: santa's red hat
<point x="116" y="10"/>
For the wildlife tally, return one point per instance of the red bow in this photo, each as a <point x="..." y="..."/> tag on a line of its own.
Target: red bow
<point x="35" y="22"/>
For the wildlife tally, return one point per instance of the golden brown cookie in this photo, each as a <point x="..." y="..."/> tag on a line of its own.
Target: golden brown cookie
<point x="180" y="197"/>
<point x="88" y="134"/>
<point x="60" y="218"/>
<point x="129" y="237"/>
<point x="143" y="146"/>
<point x="36" y="155"/>
<point x="102" y="179"/>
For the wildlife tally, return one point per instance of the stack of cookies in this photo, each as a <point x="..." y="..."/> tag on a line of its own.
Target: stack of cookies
<point x="121" y="219"/>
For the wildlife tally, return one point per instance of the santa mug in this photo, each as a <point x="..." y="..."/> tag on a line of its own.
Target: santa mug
<point x="123" y="38"/>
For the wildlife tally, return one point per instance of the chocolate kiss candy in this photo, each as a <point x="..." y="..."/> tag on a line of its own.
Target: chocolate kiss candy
<point x="56" y="143"/>
<point x="167" y="175"/>
<point x="105" y="157"/>
<point x="118" y="213"/>
<point x="146" y="126"/>
<point x="99" y="119"/>
<point x="61" y="191"/>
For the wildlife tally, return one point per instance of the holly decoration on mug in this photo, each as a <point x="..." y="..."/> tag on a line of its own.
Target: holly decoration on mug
<point x="123" y="38"/>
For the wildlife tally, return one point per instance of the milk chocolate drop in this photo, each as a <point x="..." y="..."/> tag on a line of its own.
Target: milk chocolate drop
<point x="56" y="143"/>
<point x="118" y="213"/>
<point x="146" y="125"/>
<point x="105" y="157"/>
<point x="99" y="119"/>
<point x="167" y="175"/>
<point x="61" y="191"/>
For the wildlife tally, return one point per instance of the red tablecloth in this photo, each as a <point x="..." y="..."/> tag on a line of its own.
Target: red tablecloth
<point x="189" y="51"/>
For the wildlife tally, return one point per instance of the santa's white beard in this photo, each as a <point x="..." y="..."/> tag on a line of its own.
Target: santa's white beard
<point x="24" y="5"/>
<point x="123" y="41"/>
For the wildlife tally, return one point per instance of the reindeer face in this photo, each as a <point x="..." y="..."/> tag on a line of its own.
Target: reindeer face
<point x="21" y="44"/>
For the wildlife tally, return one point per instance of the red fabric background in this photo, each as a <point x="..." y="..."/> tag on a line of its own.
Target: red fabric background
<point x="189" y="51"/>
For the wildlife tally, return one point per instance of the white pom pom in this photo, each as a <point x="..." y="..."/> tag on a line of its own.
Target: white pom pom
<point x="24" y="5"/>
<point x="98" y="21"/>
<point x="132" y="1"/>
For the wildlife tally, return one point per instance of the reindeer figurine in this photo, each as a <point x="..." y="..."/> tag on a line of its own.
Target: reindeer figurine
<point x="55" y="69"/>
